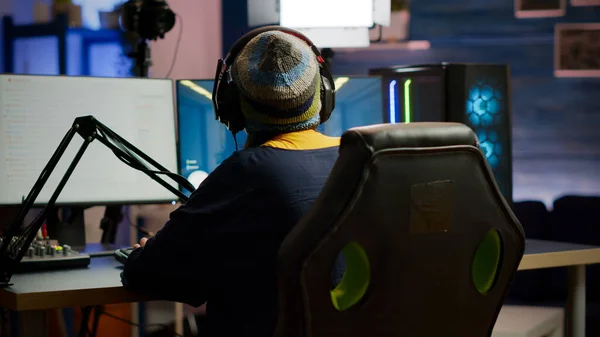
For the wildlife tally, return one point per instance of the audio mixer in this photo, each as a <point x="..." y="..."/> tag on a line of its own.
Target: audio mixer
<point x="48" y="255"/>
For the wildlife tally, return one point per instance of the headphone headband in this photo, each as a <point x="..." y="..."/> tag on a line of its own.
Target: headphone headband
<point x="222" y="89"/>
<point x="243" y="41"/>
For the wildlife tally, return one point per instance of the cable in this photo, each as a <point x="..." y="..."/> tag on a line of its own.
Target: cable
<point x="139" y="228"/>
<point x="379" y="38"/>
<point x="235" y="141"/>
<point x="139" y="325"/>
<point x="176" y="45"/>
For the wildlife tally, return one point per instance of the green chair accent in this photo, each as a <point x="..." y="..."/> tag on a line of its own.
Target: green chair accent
<point x="355" y="281"/>
<point x="486" y="262"/>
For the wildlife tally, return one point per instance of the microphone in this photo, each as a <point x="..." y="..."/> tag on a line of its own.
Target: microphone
<point x="15" y="238"/>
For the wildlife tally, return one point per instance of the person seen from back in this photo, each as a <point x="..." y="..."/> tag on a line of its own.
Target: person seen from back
<point x="220" y="247"/>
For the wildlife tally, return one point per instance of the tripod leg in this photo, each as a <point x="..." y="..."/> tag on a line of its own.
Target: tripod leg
<point x="98" y="310"/>
<point x="85" y="319"/>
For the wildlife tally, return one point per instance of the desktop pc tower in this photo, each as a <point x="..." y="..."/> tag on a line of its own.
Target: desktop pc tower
<point x="473" y="94"/>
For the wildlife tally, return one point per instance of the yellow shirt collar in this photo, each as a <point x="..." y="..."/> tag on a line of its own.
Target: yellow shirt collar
<point x="302" y="140"/>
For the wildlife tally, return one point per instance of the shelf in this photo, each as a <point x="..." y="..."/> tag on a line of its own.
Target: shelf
<point x="483" y="41"/>
<point x="389" y="46"/>
<point x="59" y="28"/>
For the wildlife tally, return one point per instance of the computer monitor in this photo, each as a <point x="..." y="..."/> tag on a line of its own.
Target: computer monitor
<point x="37" y="112"/>
<point x="358" y="102"/>
<point x="204" y="142"/>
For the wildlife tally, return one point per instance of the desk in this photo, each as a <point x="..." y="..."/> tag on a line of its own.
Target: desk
<point x="100" y="284"/>
<point x="33" y="293"/>
<point x="548" y="254"/>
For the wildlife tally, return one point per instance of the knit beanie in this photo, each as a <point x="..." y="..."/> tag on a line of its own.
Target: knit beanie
<point x="277" y="75"/>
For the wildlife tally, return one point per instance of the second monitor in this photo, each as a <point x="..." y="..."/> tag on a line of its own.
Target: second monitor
<point x="37" y="112"/>
<point x="204" y="143"/>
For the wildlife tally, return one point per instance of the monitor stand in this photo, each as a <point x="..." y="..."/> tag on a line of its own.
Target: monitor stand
<point x="113" y="215"/>
<point x="71" y="229"/>
<point x="7" y="216"/>
<point x="67" y="226"/>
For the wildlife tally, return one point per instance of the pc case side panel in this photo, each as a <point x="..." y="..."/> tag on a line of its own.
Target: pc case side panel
<point x="413" y="95"/>
<point x="478" y="96"/>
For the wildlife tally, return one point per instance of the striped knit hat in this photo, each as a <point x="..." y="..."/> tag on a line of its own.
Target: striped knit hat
<point x="278" y="77"/>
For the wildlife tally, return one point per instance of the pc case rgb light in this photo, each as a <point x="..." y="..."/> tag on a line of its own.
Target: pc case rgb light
<point x="473" y="94"/>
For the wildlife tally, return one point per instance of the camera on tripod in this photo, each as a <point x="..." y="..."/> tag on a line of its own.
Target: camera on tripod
<point x="148" y="20"/>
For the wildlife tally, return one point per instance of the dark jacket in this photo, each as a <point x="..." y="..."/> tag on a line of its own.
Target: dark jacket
<point x="221" y="246"/>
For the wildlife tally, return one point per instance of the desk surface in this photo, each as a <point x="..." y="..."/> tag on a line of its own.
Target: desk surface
<point x="548" y="254"/>
<point x="98" y="284"/>
<point x="101" y="283"/>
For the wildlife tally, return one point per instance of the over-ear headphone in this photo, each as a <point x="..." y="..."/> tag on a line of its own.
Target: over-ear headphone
<point x="226" y="97"/>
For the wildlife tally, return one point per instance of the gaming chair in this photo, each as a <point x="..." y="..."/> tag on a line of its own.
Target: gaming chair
<point x="430" y="243"/>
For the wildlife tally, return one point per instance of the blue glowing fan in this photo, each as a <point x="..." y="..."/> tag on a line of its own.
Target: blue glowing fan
<point x="485" y="105"/>
<point x="491" y="147"/>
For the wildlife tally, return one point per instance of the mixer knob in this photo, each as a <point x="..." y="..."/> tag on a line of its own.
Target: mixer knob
<point x="52" y="251"/>
<point x="42" y="251"/>
<point x="49" y="250"/>
<point x="30" y="252"/>
<point x="38" y="250"/>
<point x="66" y="249"/>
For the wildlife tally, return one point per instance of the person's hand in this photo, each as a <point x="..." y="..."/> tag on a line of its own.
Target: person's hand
<point x="141" y="244"/>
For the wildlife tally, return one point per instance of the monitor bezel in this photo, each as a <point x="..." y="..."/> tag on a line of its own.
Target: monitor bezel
<point x="177" y="142"/>
<point x="88" y="204"/>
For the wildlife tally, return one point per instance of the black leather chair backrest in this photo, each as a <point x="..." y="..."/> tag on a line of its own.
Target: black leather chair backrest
<point x="430" y="243"/>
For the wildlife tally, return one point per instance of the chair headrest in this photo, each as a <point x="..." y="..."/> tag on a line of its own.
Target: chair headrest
<point x="411" y="135"/>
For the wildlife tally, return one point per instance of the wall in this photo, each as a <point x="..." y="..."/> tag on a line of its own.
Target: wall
<point x="200" y="45"/>
<point x="234" y="22"/>
<point x="40" y="55"/>
<point x="556" y="143"/>
<point x="198" y="50"/>
<point x="5" y="9"/>
<point x="440" y="19"/>
<point x="198" y="33"/>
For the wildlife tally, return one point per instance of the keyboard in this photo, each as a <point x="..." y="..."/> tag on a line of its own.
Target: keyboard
<point x="41" y="256"/>
<point x="122" y="254"/>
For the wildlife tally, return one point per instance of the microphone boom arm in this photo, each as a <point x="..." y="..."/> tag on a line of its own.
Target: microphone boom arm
<point x="13" y="246"/>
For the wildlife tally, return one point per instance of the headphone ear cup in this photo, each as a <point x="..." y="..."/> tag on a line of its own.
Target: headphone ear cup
<point x="327" y="99"/>
<point x="233" y="110"/>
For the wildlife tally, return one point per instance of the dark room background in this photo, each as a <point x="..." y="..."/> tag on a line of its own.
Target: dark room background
<point x="556" y="121"/>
